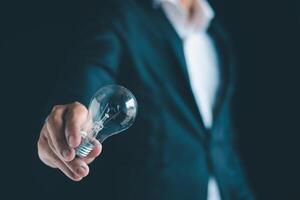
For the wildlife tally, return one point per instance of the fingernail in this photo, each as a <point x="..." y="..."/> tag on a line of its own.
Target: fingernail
<point x="81" y="170"/>
<point x="71" y="140"/>
<point x="65" y="153"/>
<point x="77" y="178"/>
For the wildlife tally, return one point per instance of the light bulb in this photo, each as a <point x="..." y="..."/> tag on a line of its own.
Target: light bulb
<point x="112" y="110"/>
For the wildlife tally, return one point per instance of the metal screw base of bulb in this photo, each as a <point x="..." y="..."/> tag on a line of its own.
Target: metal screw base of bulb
<point x="84" y="148"/>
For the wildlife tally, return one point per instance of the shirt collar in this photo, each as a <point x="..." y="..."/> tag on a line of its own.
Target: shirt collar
<point x="200" y="21"/>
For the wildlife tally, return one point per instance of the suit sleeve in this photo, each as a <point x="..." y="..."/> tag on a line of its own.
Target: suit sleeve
<point x="92" y="64"/>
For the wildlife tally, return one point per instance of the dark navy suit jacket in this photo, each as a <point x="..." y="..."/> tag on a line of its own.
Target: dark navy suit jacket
<point x="167" y="154"/>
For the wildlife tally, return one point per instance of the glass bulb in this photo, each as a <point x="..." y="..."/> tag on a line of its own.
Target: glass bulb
<point x="112" y="110"/>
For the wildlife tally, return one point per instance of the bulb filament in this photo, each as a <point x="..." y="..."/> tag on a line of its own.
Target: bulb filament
<point x="99" y="124"/>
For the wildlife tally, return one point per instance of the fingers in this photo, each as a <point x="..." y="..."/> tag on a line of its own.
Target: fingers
<point x="64" y="124"/>
<point x="80" y="164"/>
<point x="94" y="153"/>
<point x="43" y="149"/>
<point x="51" y="159"/>
<point x="60" y="136"/>
<point x="79" y="167"/>
<point x="55" y="130"/>
<point x="75" y="169"/>
<point x="63" y="167"/>
<point x="75" y="118"/>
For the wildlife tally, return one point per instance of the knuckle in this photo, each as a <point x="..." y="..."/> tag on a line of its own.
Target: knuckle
<point x="41" y="150"/>
<point x="56" y="108"/>
<point x="76" y="103"/>
<point x="78" y="107"/>
<point x="40" y="144"/>
<point x="76" y="115"/>
<point x="41" y="155"/>
<point x="55" y="117"/>
<point x="41" y="141"/>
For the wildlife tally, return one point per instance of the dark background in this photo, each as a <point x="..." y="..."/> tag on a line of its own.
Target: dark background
<point x="37" y="36"/>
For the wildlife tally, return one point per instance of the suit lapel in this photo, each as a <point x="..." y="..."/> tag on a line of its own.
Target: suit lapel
<point x="223" y="52"/>
<point x="225" y="65"/>
<point x="175" y="42"/>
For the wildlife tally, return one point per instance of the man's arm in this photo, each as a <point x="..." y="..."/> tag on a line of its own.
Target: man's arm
<point x="95" y="64"/>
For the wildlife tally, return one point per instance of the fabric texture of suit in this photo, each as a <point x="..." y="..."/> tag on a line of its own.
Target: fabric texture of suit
<point x="167" y="154"/>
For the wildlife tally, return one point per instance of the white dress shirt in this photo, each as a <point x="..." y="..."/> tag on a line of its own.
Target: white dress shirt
<point x="201" y="59"/>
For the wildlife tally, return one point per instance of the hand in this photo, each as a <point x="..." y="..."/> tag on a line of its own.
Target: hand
<point x="60" y="136"/>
